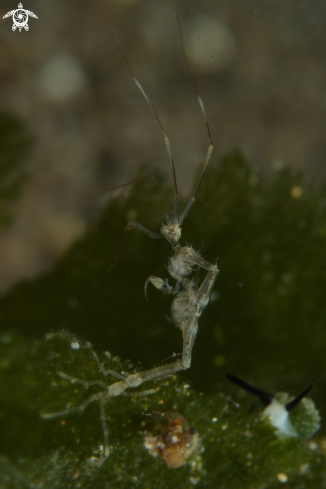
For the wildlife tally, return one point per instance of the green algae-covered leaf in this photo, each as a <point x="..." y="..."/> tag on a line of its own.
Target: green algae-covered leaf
<point x="265" y="323"/>
<point x="231" y="447"/>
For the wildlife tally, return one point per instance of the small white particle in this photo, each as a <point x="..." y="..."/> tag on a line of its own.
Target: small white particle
<point x="282" y="477"/>
<point x="100" y="448"/>
<point x="75" y="345"/>
<point x="312" y="445"/>
<point x="214" y="420"/>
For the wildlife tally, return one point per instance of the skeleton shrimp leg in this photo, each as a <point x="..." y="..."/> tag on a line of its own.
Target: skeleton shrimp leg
<point x="113" y="390"/>
<point x="137" y="225"/>
<point x="102" y="397"/>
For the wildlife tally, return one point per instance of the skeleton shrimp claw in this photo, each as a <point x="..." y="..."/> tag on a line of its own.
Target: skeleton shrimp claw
<point x="136" y="225"/>
<point x="160" y="284"/>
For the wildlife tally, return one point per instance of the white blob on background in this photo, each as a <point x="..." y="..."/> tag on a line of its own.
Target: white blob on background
<point x="210" y="45"/>
<point x="61" y="78"/>
<point x="278" y="416"/>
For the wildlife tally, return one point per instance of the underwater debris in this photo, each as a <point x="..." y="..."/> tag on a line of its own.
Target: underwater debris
<point x="175" y="441"/>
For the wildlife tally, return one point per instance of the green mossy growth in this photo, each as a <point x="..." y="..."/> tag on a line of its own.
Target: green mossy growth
<point x="234" y="448"/>
<point x="15" y="145"/>
<point x="265" y="323"/>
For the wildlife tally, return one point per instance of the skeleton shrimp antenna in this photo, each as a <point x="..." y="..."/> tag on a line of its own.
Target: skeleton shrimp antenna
<point x="166" y="139"/>
<point x="130" y="183"/>
<point x="210" y="147"/>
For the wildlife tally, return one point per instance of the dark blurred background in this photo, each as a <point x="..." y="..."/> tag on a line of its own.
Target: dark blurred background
<point x="260" y="66"/>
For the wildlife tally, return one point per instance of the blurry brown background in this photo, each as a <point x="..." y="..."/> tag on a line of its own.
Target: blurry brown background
<point x="260" y="66"/>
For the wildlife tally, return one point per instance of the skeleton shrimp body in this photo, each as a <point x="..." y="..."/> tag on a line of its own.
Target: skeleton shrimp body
<point x="188" y="303"/>
<point x="189" y="299"/>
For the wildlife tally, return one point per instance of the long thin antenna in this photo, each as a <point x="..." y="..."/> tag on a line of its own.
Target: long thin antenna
<point x="130" y="183"/>
<point x="202" y="107"/>
<point x="166" y="139"/>
<point x="266" y="396"/>
<point x="291" y="405"/>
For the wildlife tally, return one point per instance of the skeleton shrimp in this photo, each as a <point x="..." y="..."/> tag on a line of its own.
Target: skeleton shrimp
<point x="189" y="299"/>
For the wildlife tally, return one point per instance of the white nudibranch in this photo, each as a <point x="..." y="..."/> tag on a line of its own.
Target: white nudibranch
<point x="278" y="416"/>
<point x="278" y="409"/>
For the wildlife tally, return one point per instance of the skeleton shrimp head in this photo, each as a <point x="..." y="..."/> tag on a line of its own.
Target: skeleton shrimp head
<point x="171" y="232"/>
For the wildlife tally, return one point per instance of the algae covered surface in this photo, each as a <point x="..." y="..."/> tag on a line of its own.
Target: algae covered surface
<point x="233" y="448"/>
<point x="265" y="323"/>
